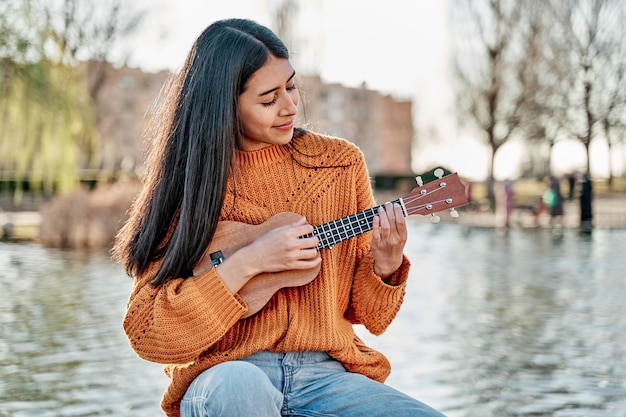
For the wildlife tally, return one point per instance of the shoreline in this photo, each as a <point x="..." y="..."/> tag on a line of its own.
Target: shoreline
<point x="608" y="212"/>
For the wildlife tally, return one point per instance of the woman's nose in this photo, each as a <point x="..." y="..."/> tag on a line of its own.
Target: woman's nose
<point x="289" y="105"/>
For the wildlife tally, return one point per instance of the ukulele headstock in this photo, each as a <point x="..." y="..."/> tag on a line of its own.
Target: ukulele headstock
<point x="445" y="192"/>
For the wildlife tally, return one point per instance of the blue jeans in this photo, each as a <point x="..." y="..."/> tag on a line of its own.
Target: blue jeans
<point x="303" y="384"/>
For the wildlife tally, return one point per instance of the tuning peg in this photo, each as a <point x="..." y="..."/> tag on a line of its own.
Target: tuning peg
<point x="434" y="219"/>
<point x="438" y="173"/>
<point x="453" y="213"/>
<point x="419" y="180"/>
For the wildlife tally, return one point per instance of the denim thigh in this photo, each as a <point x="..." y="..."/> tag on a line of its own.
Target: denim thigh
<point x="302" y="384"/>
<point x="231" y="389"/>
<point x="315" y="385"/>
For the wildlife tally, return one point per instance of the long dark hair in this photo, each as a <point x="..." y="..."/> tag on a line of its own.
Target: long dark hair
<point x="175" y="216"/>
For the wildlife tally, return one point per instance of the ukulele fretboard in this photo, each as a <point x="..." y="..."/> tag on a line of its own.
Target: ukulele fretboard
<point x="333" y="232"/>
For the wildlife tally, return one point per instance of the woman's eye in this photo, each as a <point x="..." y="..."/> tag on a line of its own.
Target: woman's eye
<point x="290" y="87"/>
<point x="269" y="103"/>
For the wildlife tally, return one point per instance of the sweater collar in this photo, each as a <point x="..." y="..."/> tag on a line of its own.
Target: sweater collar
<point x="263" y="156"/>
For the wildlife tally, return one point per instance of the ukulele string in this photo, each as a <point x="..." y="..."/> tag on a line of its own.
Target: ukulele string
<point x="412" y="199"/>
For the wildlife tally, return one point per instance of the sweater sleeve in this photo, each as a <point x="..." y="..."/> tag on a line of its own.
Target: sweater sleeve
<point x="374" y="302"/>
<point x="177" y="321"/>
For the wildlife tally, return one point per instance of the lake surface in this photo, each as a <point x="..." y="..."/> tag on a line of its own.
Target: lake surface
<point x="527" y="323"/>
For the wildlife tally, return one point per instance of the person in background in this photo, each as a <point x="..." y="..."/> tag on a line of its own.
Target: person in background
<point x="586" y="209"/>
<point x="553" y="200"/>
<point x="226" y="161"/>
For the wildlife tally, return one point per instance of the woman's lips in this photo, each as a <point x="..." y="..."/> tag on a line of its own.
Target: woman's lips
<point x="285" y="126"/>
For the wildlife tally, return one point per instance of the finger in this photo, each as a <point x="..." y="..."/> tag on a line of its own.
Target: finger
<point x="309" y="242"/>
<point x="390" y="210"/>
<point x="308" y="254"/>
<point x="298" y="229"/>
<point x="310" y="262"/>
<point x="385" y="226"/>
<point x="400" y="219"/>
<point x="384" y="218"/>
<point x="376" y="229"/>
<point x="397" y="208"/>
<point x="391" y="216"/>
<point x="301" y="220"/>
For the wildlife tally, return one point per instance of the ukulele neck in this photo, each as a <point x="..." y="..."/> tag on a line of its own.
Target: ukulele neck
<point x="333" y="232"/>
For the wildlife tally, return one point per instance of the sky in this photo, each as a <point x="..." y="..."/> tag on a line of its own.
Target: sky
<point x="398" y="47"/>
<point x="384" y="43"/>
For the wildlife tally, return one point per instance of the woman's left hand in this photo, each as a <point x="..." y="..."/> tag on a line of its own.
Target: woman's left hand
<point x="388" y="239"/>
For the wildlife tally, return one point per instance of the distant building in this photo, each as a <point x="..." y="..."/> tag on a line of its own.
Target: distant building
<point x="380" y="125"/>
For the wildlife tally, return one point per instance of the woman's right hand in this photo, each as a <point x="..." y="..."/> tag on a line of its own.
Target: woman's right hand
<point x="280" y="249"/>
<point x="283" y="248"/>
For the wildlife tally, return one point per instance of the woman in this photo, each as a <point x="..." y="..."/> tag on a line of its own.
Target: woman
<point x="227" y="156"/>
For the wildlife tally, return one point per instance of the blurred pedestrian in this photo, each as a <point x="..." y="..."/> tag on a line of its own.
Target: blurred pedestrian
<point x="586" y="197"/>
<point x="553" y="200"/>
<point x="571" y="182"/>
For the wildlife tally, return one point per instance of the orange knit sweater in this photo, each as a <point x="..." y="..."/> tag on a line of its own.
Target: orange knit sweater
<point x="191" y="324"/>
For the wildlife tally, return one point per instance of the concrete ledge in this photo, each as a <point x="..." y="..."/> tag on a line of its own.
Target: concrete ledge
<point x="19" y="225"/>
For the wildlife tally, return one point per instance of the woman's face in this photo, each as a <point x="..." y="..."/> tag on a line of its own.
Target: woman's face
<point x="268" y="105"/>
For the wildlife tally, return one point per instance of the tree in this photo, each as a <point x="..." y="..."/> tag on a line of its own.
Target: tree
<point x="543" y="80"/>
<point x="593" y="35"/>
<point x="284" y="13"/>
<point x="87" y="31"/>
<point x="47" y="118"/>
<point x="542" y="70"/>
<point x="488" y="93"/>
<point x="612" y="110"/>
<point x="613" y="118"/>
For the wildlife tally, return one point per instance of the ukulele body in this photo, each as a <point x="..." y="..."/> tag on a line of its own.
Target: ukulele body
<point x="230" y="236"/>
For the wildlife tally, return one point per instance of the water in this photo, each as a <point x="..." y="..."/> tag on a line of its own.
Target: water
<point x="494" y="325"/>
<point x="62" y="349"/>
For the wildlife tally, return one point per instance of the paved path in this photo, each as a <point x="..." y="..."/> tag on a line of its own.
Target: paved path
<point x="608" y="212"/>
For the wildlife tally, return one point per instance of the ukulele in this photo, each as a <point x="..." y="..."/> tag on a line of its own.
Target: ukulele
<point x="446" y="192"/>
